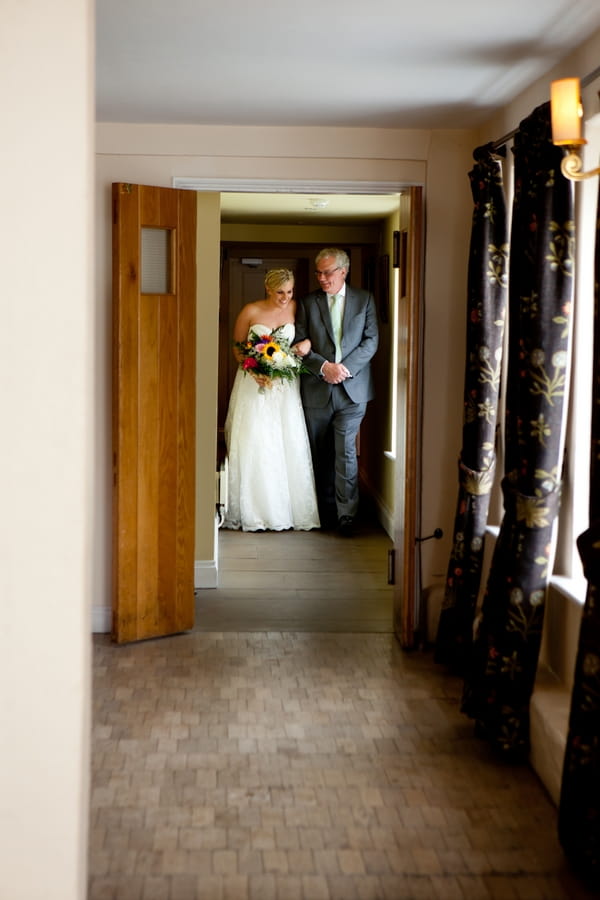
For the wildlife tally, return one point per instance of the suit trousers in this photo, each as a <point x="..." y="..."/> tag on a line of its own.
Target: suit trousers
<point x="332" y="431"/>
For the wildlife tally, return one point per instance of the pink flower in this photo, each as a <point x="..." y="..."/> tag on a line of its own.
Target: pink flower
<point x="250" y="363"/>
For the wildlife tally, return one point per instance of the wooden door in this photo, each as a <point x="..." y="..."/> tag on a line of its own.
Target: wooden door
<point x="154" y="339"/>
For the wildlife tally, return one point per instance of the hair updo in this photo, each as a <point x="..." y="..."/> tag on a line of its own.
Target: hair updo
<point x="276" y="277"/>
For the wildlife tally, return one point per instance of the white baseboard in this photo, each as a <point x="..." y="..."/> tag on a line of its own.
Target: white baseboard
<point x="101" y="619"/>
<point x="206" y="573"/>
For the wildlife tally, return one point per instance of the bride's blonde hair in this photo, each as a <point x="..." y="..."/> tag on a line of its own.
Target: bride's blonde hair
<point x="276" y="277"/>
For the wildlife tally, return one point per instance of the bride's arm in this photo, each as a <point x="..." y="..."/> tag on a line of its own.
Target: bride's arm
<point x="302" y="348"/>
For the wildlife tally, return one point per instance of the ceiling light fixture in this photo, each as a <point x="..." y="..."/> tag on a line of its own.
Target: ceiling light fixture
<point x="567" y="114"/>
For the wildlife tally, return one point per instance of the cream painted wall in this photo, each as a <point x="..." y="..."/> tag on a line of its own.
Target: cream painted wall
<point x="447" y="234"/>
<point x="47" y="367"/>
<point x="438" y="160"/>
<point x="211" y="151"/>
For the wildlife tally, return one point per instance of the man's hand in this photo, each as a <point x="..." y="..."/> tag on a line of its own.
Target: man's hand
<point x="335" y="373"/>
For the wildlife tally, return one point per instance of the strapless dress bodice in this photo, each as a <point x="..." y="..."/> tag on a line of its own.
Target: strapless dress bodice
<point x="288" y="330"/>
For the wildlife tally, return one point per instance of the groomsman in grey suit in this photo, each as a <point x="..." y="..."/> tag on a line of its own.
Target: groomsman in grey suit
<point x="341" y="323"/>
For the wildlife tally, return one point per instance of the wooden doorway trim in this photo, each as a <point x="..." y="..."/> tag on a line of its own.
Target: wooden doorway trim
<point x="408" y="465"/>
<point x="408" y="480"/>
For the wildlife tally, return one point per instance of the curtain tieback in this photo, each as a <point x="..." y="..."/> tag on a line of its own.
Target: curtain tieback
<point x="476" y="481"/>
<point x="533" y="510"/>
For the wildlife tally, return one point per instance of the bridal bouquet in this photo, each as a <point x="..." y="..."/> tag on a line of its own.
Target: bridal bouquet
<point x="269" y="354"/>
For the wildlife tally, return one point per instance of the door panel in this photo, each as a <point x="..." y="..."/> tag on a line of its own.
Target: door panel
<point x="153" y="418"/>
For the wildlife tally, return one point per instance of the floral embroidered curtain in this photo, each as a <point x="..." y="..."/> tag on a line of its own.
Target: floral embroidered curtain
<point x="486" y="313"/>
<point x="579" y="809"/>
<point x="501" y="673"/>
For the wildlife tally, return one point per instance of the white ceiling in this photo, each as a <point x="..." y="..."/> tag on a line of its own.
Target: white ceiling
<point x="373" y="63"/>
<point x="364" y="63"/>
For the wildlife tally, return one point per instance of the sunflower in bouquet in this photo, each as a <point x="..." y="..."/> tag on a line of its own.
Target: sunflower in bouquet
<point x="269" y="354"/>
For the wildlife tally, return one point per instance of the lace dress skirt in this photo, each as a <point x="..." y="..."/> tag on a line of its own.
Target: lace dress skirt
<point x="271" y="484"/>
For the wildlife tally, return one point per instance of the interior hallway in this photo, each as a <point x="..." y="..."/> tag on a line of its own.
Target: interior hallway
<point x="288" y="749"/>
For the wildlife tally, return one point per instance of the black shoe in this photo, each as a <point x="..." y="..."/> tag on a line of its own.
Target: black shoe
<point x="346" y="526"/>
<point x="329" y="520"/>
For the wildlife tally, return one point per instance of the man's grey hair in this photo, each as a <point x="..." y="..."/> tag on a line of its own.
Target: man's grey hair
<point x="342" y="259"/>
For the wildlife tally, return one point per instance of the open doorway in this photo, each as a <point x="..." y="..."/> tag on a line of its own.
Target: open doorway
<point x="395" y="487"/>
<point x="296" y="580"/>
<point x="262" y="231"/>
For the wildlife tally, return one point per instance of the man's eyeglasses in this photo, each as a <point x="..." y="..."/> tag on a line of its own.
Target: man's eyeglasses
<point x="326" y="274"/>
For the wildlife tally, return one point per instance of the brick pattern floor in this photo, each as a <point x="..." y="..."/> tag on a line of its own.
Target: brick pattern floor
<point x="304" y="766"/>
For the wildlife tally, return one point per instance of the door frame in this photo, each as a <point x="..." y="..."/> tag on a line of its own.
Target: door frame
<point x="407" y="490"/>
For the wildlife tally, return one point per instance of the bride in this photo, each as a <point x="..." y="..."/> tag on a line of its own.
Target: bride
<point x="271" y="484"/>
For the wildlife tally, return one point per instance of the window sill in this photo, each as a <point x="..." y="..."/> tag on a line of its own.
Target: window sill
<point x="573" y="589"/>
<point x="551" y="700"/>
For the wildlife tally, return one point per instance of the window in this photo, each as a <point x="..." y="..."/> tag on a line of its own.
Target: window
<point x="574" y="514"/>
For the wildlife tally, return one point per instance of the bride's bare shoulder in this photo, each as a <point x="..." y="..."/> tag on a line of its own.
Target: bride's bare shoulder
<point x="249" y="310"/>
<point x="249" y="315"/>
<point x="253" y="309"/>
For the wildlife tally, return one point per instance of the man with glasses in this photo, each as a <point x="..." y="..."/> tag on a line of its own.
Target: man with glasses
<point x="341" y="323"/>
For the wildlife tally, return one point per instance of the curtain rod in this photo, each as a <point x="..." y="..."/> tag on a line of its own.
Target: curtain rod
<point x="591" y="76"/>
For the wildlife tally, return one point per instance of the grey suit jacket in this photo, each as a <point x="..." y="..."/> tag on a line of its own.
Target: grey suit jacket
<point x="360" y="336"/>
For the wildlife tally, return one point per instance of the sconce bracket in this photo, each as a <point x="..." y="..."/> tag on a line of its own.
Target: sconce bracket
<point x="571" y="165"/>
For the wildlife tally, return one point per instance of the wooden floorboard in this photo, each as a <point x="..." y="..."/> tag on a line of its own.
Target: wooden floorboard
<point x="299" y="581"/>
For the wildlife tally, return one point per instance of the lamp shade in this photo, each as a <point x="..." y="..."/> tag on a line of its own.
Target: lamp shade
<point x="566" y="111"/>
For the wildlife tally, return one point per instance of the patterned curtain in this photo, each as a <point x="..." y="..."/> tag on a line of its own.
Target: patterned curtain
<point x="502" y="669"/>
<point x="579" y="810"/>
<point x="486" y="313"/>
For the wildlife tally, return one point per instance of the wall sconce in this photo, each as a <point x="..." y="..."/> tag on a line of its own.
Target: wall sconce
<point x="567" y="113"/>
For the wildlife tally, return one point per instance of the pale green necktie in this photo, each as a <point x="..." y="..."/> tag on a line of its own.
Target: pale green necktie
<point x="336" y="321"/>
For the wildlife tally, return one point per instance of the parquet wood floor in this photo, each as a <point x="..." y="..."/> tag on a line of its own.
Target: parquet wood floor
<point x="300" y="581"/>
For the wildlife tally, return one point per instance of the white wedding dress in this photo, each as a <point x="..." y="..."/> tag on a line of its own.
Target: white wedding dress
<point x="271" y="484"/>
